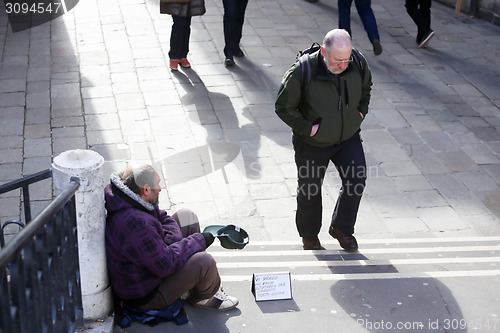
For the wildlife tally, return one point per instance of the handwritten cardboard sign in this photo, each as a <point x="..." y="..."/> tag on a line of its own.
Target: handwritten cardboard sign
<point x="272" y="286"/>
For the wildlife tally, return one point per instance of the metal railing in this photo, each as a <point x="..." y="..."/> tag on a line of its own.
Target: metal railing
<point x="40" y="287"/>
<point x="24" y="184"/>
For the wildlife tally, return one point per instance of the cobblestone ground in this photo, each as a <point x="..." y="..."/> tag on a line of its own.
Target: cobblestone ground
<point x="97" y="78"/>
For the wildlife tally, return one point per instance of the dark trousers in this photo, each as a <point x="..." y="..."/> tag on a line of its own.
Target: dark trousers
<point x="179" y="37"/>
<point x="234" y="16"/>
<point x="365" y="13"/>
<point x="312" y="162"/>
<point x="420" y="12"/>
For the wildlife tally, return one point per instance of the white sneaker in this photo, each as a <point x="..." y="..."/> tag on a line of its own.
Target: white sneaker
<point x="220" y="302"/>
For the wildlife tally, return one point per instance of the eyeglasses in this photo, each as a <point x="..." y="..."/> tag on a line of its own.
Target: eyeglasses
<point x="342" y="61"/>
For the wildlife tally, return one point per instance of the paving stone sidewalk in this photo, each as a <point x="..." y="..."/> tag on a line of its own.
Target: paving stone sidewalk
<point x="97" y="78"/>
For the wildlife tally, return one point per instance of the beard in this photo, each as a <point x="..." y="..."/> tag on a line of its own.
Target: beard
<point x="335" y="71"/>
<point x="155" y="201"/>
<point x="331" y="69"/>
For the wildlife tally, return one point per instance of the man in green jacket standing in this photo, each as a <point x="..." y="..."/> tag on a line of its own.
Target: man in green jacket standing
<point x="325" y="120"/>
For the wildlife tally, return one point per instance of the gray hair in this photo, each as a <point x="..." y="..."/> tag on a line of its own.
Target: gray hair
<point x="135" y="178"/>
<point x="338" y="37"/>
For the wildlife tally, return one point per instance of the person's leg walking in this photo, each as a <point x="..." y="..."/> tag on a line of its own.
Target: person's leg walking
<point x="425" y="10"/>
<point x="185" y="38"/>
<point x="413" y="7"/>
<point x="229" y="25"/>
<point x="240" y="19"/>
<point x="367" y="17"/>
<point x="178" y="36"/>
<point x="311" y="170"/>
<point x="365" y="12"/>
<point x="426" y="31"/>
<point x="344" y="7"/>
<point x="351" y="165"/>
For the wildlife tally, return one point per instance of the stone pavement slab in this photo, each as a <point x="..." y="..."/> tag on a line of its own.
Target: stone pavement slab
<point x="97" y="78"/>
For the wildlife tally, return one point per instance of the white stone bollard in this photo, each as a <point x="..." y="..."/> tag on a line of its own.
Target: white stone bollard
<point x="87" y="165"/>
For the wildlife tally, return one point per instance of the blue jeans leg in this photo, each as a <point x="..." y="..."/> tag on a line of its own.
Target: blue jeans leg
<point x="365" y="12"/>
<point x="345" y="15"/>
<point x="179" y="37"/>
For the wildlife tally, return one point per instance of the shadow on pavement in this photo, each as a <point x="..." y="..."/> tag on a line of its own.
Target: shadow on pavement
<point x="214" y="111"/>
<point x="403" y="305"/>
<point x="281" y="306"/>
<point x="394" y="303"/>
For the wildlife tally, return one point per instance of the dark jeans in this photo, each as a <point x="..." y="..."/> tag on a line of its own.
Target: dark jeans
<point x="179" y="37"/>
<point x="420" y="12"/>
<point x="312" y="162"/>
<point x="234" y="16"/>
<point x="365" y="13"/>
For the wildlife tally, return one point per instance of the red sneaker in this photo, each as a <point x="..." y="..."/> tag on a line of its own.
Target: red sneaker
<point x="174" y="63"/>
<point x="184" y="63"/>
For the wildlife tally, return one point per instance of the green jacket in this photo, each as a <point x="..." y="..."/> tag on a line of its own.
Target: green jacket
<point x="336" y="110"/>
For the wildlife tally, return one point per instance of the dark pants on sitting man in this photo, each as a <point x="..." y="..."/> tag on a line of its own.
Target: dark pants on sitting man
<point x="312" y="163"/>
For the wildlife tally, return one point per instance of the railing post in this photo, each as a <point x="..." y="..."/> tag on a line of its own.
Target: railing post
<point x="87" y="165"/>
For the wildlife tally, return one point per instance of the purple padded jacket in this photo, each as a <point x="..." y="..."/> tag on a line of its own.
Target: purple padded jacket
<point x="143" y="243"/>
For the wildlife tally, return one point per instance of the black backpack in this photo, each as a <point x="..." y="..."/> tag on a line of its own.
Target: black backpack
<point x="305" y="66"/>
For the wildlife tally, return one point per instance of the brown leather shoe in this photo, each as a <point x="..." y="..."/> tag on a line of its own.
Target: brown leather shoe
<point x="312" y="243"/>
<point x="347" y="241"/>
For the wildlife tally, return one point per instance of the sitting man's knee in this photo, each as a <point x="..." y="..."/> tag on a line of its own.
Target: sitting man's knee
<point x="187" y="220"/>
<point x="203" y="258"/>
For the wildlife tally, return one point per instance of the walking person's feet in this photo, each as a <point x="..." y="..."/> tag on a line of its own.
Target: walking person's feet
<point x="377" y="47"/>
<point x="174" y="64"/>
<point x="229" y="62"/>
<point x="312" y="243"/>
<point x="184" y="63"/>
<point x="425" y="40"/>
<point x="347" y="242"/>
<point x="239" y="53"/>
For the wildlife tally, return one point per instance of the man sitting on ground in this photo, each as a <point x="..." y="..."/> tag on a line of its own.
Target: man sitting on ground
<point x="153" y="258"/>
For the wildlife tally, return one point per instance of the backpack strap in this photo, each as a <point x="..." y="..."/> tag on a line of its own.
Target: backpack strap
<point x="305" y="72"/>
<point x="303" y="57"/>
<point x="357" y="59"/>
